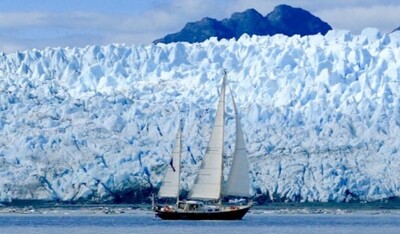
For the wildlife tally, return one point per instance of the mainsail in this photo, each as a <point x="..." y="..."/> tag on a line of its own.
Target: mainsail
<point x="170" y="186"/>
<point x="208" y="181"/>
<point x="238" y="183"/>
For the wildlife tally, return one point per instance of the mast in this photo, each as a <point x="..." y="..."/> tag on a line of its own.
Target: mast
<point x="238" y="183"/>
<point x="179" y="157"/>
<point x="207" y="185"/>
<point x="222" y="138"/>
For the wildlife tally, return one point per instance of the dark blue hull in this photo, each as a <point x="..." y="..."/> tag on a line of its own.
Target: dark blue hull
<point x="235" y="214"/>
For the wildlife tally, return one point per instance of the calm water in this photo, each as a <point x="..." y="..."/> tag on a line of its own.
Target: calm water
<point x="144" y="222"/>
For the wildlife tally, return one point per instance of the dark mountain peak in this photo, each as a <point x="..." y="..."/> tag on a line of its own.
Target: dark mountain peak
<point x="290" y="21"/>
<point x="283" y="19"/>
<point x="208" y="20"/>
<point x="285" y="12"/>
<point x="205" y="22"/>
<point x="250" y="21"/>
<point x="249" y="13"/>
<point x="286" y="8"/>
<point x="397" y="29"/>
<point x="197" y="32"/>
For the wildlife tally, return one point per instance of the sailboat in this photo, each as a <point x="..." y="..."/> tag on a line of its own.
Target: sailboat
<point x="205" y="197"/>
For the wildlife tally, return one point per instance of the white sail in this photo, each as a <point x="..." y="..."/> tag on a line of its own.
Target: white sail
<point x="209" y="177"/>
<point x="238" y="183"/>
<point x="170" y="186"/>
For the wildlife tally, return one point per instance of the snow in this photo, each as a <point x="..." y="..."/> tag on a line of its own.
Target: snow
<point x="321" y="116"/>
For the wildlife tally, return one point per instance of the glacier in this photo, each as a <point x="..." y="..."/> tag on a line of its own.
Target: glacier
<point x="320" y="114"/>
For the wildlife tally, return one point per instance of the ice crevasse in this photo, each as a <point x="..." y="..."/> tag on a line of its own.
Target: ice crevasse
<point x="320" y="114"/>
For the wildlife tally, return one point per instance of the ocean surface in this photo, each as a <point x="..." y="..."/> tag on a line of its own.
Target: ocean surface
<point x="119" y="220"/>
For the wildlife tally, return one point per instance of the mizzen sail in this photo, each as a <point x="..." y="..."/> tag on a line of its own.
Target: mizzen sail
<point x="170" y="186"/>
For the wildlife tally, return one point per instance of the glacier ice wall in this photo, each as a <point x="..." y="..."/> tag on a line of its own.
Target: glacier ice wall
<point x="321" y="116"/>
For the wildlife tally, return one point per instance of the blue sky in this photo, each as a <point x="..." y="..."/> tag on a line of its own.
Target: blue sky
<point x="27" y="24"/>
